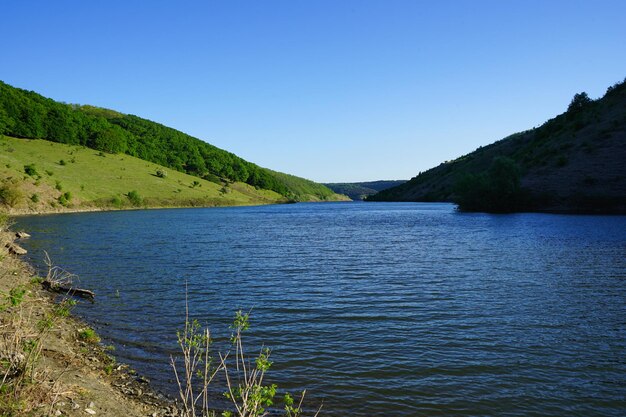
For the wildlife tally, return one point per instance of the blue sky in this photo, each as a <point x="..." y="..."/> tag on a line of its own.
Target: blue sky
<point x="339" y="90"/>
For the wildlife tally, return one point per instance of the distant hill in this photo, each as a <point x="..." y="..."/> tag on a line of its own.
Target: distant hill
<point x="575" y="162"/>
<point x="361" y="190"/>
<point x="26" y="114"/>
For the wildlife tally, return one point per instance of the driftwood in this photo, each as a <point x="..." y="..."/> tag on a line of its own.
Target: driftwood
<point x="78" y="292"/>
<point x="60" y="281"/>
<point x="22" y="235"/>
<point x="16" y="249"/>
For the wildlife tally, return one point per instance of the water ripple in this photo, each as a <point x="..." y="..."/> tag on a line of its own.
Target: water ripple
<point x="377" y="309"/>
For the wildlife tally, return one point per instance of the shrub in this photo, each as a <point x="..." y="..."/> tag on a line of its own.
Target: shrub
<point x="10" y="194"/>
<point x="62" y="162"/>
<point x="116" y="202"/>
<point x="64" y="199"/>
<point x="58" y="185"/>
<point x="34" y="198"/>
<point x="161" y="173"/>
<point x="134" y="198"/>
<point x="243" y="374"/>
<point x="30" y="170"/>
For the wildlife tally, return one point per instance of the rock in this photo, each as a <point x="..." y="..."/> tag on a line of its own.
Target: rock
<point x="89" y="411"/>
<point x="22" y="235"/>
<point x="58" y="413"/>
<point x="15" y="249"/>
<point x="142" y="379"/>
<point x="91" y="405"/>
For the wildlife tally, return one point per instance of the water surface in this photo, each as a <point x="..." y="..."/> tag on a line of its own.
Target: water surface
<point x="378" y="309"/>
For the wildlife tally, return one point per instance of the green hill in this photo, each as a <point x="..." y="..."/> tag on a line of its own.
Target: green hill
<point x="26" y="114"/>
<point x="42" y="176"/>
<point x="572" y="163"/>
<point x="361" y="190"/>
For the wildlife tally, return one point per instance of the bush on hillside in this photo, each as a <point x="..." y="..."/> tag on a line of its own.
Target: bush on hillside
<point x="30" y="170"/>
<point x="134" y="198"/>
<point x="10" y="194"/>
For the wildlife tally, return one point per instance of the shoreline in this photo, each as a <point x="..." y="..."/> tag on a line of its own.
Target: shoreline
<point x="72" y="374"/>
<point x="72" y="210"/>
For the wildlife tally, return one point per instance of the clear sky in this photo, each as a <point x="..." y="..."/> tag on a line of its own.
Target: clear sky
<point x="331" y="90"/>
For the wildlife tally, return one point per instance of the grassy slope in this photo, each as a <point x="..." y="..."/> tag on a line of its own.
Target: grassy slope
<point x="570" y="163"/>
<point x="94" y="181"/>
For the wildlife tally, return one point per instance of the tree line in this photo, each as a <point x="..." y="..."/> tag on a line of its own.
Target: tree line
<point x="26" y="114"/>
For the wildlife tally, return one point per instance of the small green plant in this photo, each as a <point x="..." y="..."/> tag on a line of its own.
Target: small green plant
<point x="62" y="162"/>
<point x="30" y="170"/>
<point x="49" y="173"/>
<point x="195" y="184"/>
<point x="36" y="280"/>
<point x="161" y="173"/>
<point x="89" y="335"/>
<point x="34" y="198"/>
<point x="46" y="323"/>
<point x="108" y="369"/>
<point x="58" y="185"/>
<point x="16" y="295"/>
<point x="64" y="308"/>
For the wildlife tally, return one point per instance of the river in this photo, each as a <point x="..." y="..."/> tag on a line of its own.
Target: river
<point x="377" y="309"/>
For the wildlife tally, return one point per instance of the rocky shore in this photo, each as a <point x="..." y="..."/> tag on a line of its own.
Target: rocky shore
<point x="52" y="364"/>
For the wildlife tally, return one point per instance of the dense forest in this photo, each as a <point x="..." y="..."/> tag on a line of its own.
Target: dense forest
<point x="574" y="162"/>
<point x="26" y="114"/>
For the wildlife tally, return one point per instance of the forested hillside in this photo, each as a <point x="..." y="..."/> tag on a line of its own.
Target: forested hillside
<point x="362" y="190"/>
<point x="26" y="114"/>
<point x="573" y="163"/>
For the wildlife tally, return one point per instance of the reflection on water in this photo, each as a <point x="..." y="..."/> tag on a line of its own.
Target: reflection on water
<point x="378" y="309"/>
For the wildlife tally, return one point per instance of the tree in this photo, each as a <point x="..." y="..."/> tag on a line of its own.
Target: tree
<point x="579" y="102"/>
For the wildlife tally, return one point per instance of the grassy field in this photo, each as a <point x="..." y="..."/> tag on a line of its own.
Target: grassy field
<point x="37" y="175"/>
